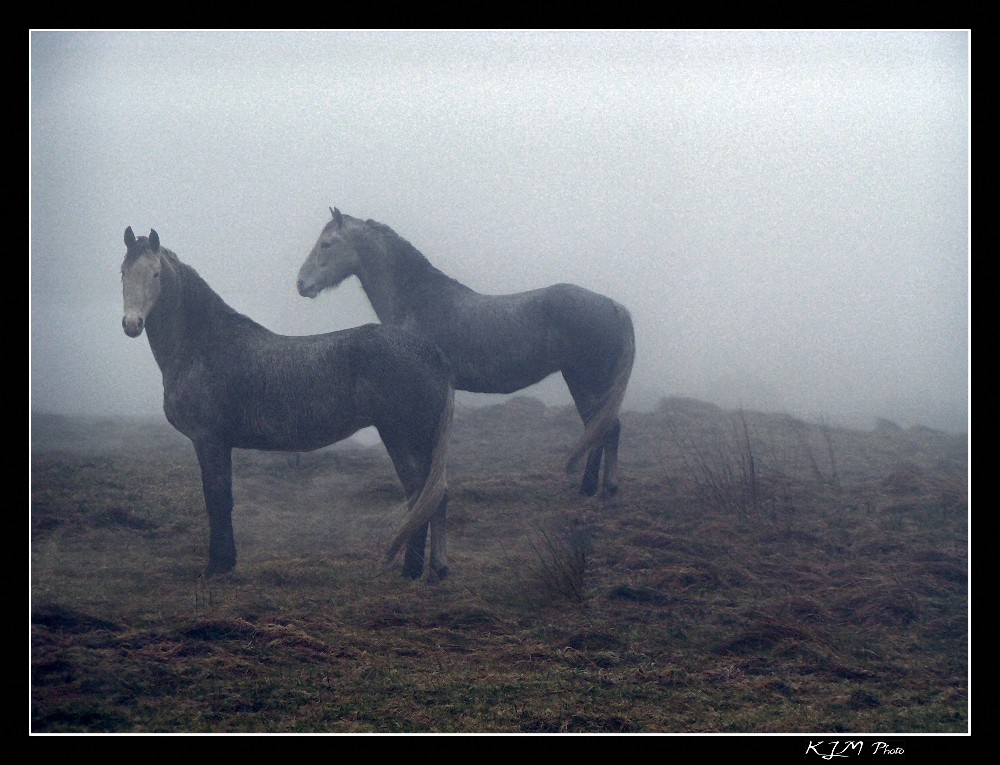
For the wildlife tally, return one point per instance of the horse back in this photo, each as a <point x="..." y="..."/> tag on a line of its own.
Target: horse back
<point x="504" y="343"/>
<point x="259" y="390"/>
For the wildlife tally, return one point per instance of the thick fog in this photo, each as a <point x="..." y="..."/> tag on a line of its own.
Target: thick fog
<point x="785" y="214"/>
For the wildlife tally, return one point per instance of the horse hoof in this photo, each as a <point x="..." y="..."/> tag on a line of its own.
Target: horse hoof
<point x="610" y="490"/>
<point x="435" y="575"/>
<point x="411" y="573"/>
<point x="588" y="488"/>
<point x="215" y="568"/>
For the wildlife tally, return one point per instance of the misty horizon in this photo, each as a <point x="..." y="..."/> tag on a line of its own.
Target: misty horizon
<point x="785" y="214"/>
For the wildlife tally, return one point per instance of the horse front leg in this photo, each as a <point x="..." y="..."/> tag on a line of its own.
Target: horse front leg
<point x="216" y="463"/>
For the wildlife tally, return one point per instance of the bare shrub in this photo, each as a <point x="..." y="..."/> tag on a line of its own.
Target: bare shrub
<point x="727" y="471"/>
<point x="559" y="562"/>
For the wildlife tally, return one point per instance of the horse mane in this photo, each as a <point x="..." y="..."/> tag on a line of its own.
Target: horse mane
<point x="201" y="300"/>
<point x="413" y="265"/>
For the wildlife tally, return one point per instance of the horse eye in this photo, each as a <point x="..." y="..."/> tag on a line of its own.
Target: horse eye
<point x="156" y="274"/>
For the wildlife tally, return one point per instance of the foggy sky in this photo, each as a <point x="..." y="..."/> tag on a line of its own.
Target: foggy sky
<point x="785" y="214"/>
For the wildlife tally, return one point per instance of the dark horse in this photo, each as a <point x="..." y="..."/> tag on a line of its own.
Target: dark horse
<point x="230" y="383"/>
<point x="495" y="343"/>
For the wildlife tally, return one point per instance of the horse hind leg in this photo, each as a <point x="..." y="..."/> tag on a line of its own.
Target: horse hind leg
<point x="412" y="470"/>
<point x="588" y="405"/>
<point x="413" y="563"/>
<point x="591" y="473"/>
<point x="438" y="568"/>
<point x="610" y="485"/>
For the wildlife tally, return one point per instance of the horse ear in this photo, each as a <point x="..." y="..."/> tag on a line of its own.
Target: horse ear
<point x="337" y="217"/>
<point x="129" y="237"/>
<point x="154" y="240"/>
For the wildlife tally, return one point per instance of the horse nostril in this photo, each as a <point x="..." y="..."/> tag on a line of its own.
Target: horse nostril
<point x="301" y="285"/>
<point x="133" y="327"/>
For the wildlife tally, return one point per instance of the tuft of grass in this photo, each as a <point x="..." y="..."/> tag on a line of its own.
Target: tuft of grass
<point x="728" y="472"/>
<point x="558" y="563"/>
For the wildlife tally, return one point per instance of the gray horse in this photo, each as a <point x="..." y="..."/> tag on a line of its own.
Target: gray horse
<point x="495" y="343"/>
<point x="230" y="383"/>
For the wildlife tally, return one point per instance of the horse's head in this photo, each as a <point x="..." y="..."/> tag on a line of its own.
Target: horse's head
<point x="141" y="284"/>
<point x="332" y="259"/>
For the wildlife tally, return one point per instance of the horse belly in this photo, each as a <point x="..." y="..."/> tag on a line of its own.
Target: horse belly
<point x="504" y="362"/>
<point x="302" y="430"/>
<point x="499" y="344"/>
<point x="505" y="374"/>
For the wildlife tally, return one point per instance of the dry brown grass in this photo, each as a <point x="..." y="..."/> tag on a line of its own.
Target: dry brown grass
<point x="837" y="602"/>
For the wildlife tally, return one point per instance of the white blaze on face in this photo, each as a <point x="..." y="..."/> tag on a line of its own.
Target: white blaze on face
<point x="140" y="291"/>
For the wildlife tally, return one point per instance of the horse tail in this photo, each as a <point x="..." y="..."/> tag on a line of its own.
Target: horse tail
<point x="607" y="414"/>
<point x="436" y="483"/>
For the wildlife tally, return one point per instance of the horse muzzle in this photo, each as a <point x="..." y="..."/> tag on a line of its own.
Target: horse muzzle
<point x="309" y="291"/>
<point x="132" y="325"/>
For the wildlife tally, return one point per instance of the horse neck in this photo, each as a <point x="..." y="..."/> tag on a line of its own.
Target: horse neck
<point x="396" y="277"/>
<point x="186" y="308"/>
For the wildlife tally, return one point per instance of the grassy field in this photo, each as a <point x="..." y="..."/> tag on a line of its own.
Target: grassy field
<point x="755" y="574"/>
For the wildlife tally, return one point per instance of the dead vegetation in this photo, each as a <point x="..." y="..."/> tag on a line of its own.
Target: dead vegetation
<point x="756" y="574"/>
